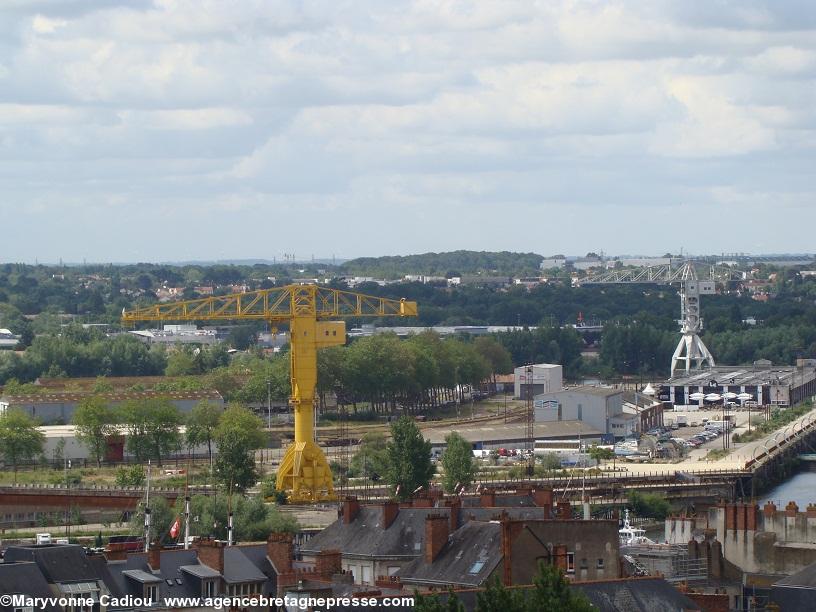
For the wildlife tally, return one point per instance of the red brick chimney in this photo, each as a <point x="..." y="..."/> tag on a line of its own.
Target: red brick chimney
<point x="328" y="562"/>
<point x="560" y="556"/>
<point x="422" y="501"/>
<point x="509" y="531"/>
<point x="791" y="509"/>
<point x="488" y="498"/>
<point x="751" y="511"/>
<point x="769" y="509"/>
<point x="280" y="550"/>
<point x="564" y="510"/>
<point x="351" y="508"/>
<point x="390" y="510"/>
<point x="211" y="553"/>
<point x="116" y="551"/>
<point x="154" y="556"/>
<point x="543" y="498"/>
<point x="455" y="506"/>
<point x="730" y="517"/>
<point x="436" y="535"/>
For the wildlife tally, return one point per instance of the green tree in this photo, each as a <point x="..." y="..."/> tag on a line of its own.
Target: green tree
<point x="371" y="460"/>
<point x="238" y="434"/>
<point x="162" y="517"/>
<point x="650" y="505"/>
<point x="551" y="461"/>
<point x="253" y="519"/>
<point x="457" y="461"/>
<point x="95" y="421"/>
<point x="201" y="425"/>
<point x="552" y="592"/>
<point x="20" y="440"/>
<point x="152" y="428"/>
<point x="433" y="602"/>
<point x="409" y="458"/>
<point x="496" y="355"/>
<point x="498" y="597"/>
<point x="180" y="363"/>
<point x="133" y="476"/>
<point x="102" y="385"/>
<point x="601" y="454"/>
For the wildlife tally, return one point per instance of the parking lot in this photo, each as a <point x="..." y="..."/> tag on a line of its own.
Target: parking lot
<point x="688" y="430"/>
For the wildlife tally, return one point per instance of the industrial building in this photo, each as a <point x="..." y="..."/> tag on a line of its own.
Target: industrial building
<point x="768" y="385"/>
<point x="59" y="408"/>
<point x="608" y="410"/>
<point x="531" y="380"/>
<point x="599" y="407"/>
<point x="513" y="435"/>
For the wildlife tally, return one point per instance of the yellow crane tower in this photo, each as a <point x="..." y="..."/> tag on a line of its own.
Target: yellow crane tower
<point x="304" y="472"/>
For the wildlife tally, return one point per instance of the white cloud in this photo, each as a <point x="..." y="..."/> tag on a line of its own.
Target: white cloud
<point x="44" y="25"/>
<point x="422" y="115"/>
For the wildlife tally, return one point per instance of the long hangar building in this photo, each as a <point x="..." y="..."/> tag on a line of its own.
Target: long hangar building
<point x="769" y="385"/>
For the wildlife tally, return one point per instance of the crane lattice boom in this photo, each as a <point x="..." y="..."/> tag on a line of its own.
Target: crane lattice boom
<point x="304" y="472"/>
<point x="664" y="275"/>
<point x="695" y="279"/>
<point x="276" y="305"/>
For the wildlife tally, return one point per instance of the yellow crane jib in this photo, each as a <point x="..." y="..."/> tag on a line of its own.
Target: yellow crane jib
<point x="304" y="472"/>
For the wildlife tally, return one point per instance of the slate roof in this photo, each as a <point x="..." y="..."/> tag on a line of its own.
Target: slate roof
<point x="141" y="576"/>
<point x="365" y="537"/>
<point x="803" y="578"/>
<point x="239" y="568"/>
<point x="471" y="554"/>
<point x="57" y="562"/>
<point x="654" y="593"/>
<point x="796" y="592"/>
<point x="201" y="571"/>
<point x="635" y="595"/>
<point x="118" y="583"/>
<point x="502" y="501"/>
<point x="257" y="556"/>
<point x="24" y="578"/>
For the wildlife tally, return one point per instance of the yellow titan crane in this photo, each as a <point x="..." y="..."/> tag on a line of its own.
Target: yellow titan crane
<point x="304" y="473"/>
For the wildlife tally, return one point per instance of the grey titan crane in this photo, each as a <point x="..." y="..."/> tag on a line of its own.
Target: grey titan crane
<point x="695" y="280"/>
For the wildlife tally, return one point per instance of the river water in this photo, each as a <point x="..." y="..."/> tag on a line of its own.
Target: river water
<point x="801" y="488"/>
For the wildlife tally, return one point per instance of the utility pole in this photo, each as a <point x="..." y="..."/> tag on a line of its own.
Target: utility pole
<point x="147" y="511"/>
<point x="187" y="505"/>
<point x="269" y="403"/>
<point x="67" y="501"/>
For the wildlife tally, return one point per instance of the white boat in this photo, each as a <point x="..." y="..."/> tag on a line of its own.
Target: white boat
<point x="632" y="536"/>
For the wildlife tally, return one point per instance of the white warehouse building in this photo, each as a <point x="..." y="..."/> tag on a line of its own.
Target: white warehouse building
<point x="531" y="380"/>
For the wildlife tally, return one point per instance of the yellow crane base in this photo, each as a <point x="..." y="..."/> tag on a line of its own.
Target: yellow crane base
<point x="305" y="474"/>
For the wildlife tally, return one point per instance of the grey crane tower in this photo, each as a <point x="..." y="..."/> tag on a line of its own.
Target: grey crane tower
<point x="695" y="280"/>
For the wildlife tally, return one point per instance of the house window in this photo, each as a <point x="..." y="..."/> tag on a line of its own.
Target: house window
<point x="366" y="578"/>
<point x="570" y="562"/>
<point x="584" y="563"/>
<point x="28" y="609"/>
<point x="600" y="563"/>
<point x="208" y="589"/>
<point x="151" y="592"/>
<point x="393" y="569"/>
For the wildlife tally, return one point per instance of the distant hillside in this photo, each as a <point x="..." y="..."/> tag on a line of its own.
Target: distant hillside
<point x="440" y="264"/>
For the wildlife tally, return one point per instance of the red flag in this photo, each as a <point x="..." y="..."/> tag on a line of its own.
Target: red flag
<point x="174" y="529"/>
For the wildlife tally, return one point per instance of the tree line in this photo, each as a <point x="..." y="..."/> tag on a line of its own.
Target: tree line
<point x="153" y="431"/>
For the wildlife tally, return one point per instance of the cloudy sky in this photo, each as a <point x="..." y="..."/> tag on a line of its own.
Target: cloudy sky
<point x="201" y="129"/>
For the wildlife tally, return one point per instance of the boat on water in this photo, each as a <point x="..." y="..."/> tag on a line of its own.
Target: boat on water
<point x="632" y="536"/>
